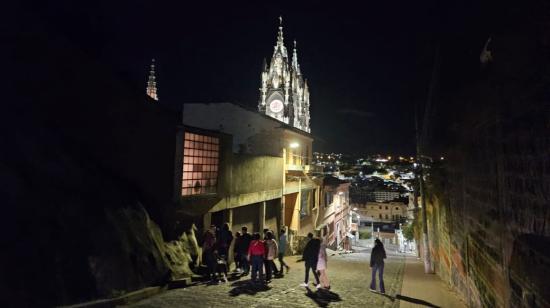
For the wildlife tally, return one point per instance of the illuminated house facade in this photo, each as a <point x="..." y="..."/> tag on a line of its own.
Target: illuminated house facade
<point x="383" y="211"/>
<point x="245" y="168"/>
<point x="284" y="93"/>
<point x="334" y="211"/>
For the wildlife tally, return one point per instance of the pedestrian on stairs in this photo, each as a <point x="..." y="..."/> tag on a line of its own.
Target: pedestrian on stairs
<point x="377" y="257"/>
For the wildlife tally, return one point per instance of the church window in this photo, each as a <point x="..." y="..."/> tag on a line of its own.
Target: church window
<point x="200" y="164"/>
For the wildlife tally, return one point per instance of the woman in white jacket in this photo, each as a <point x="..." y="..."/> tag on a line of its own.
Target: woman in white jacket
<point x="322" y="264"/>
<point x="271" y="252"/>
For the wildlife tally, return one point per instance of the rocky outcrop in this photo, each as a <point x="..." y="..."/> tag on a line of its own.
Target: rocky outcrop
<point x="74" y="232"/>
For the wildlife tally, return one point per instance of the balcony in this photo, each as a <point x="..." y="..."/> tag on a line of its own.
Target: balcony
<point x="294" y="167"/>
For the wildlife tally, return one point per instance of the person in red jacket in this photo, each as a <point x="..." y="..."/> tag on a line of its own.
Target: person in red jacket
<point x="256" y="252"/>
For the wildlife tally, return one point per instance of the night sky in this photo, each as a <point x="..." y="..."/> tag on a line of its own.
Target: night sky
<point x="367" y="66"/>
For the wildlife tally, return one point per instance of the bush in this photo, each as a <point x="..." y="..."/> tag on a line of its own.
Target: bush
<point x="365" y="234"/>
<point x="408" y="232"/>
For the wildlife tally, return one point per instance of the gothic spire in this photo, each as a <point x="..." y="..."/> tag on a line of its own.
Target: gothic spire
<point x="152" y="83"/>
<point x="295" y="65"/>
<point x="280" y="39"/>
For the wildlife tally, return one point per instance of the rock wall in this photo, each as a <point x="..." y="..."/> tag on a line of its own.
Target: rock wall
<point x="73" y="233"/>
<point x="488" y="202"/>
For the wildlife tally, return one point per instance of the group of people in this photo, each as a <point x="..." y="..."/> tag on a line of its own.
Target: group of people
<point x="255" y="254"/>
<point x="252" y="253"/>
<point x="215" y="248"/>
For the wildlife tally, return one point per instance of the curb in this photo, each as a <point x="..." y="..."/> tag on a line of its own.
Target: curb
<point x="133" y="296"/>
<point x="179" y="283"/>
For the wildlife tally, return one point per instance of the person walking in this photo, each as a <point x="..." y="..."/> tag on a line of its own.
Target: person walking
<point x="256" y="253"/>
<point x="237" y="252"/>
<point x="244" y="244"/>
<point x="224" y="240"/>
<point x="310" y="256"/>
<point x="377" y="257"/>
<point x="271" y="251"/>
<point x="221" y="266"/>
<point x="208" y="249"/>
<point x="282" y="250"/>
<point x="322" y="265"/>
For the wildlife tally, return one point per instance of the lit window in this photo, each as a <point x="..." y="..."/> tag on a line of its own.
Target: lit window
<point x="200" y="164"/>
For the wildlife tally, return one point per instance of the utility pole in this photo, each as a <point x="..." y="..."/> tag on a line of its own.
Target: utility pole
<point x="420" y="138"/>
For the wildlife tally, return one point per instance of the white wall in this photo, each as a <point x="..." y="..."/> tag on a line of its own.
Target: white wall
<point x="252" y="132"/>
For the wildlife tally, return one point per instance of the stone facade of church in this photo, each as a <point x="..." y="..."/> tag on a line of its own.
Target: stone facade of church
<point x="284" y="93"/>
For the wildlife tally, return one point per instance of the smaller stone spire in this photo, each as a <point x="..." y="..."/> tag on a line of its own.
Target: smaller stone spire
<point x="295" y="65"/>
<point x="152" y="83"/>
<point x="280" y="38"/>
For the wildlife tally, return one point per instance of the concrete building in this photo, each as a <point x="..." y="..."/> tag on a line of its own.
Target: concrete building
<point x="382" y="211"/>
<point x="368" y="194"/>
<point x="244" y="168"/>
<point x="385" y="195"/>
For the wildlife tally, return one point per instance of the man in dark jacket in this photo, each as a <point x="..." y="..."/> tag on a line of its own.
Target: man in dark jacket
<point x="244" y="243"/>
<point x="310" y="256"/>
<point x="377" y="257"/>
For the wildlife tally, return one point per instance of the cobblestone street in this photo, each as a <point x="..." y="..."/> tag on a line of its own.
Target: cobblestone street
<point x="349" y="275"/>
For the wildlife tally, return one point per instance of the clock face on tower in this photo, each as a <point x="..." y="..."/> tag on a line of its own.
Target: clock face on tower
<point x="276" y="106"/>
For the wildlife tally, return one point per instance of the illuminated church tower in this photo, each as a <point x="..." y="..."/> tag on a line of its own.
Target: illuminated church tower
<point x="284" y="94"/>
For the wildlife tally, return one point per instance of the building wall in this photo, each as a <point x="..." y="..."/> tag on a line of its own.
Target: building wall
<point x="245" y="179"/>
<point x="375" y="209"/>
<point x="248" y="216"/>
<point x="273" y="215"/>
<point x="252" y="132"/>
<point x="334" y="213"/>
